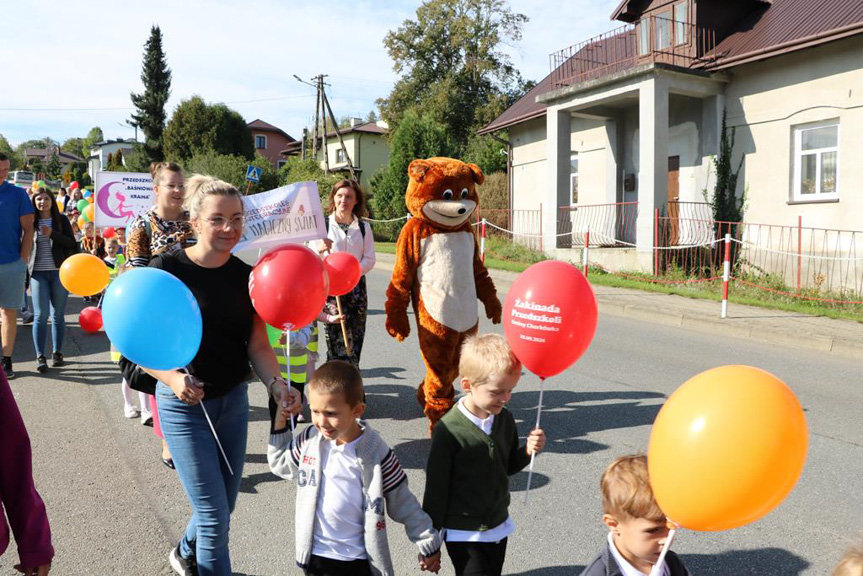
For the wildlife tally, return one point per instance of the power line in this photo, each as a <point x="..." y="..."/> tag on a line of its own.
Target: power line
<point x="291" y="97"/>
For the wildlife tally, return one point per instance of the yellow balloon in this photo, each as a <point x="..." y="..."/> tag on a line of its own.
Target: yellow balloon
<point x="90" y="212"/>
<point x="726" y="448"/>
<point x="81" y="222"/>
<point x="84" y="274"/>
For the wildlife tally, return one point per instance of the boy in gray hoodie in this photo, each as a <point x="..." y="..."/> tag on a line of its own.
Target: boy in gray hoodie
<point x="347" y="479"/>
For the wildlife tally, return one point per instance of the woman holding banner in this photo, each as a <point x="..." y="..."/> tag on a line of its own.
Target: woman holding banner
<point x="209" y="443"/>
<point x="346" y="232"/>
<point x="164" y="229"/>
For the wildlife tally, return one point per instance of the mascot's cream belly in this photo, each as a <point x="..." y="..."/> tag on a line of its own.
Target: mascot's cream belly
<point x="448" y="293"/>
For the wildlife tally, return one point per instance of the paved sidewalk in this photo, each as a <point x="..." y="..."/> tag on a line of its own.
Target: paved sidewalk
<point x="842" y="337"/>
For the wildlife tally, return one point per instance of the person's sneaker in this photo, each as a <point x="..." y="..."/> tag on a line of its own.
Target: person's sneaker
<point x="26" y="317"/>
<point x="57" y="360"/>
<point x="7" y="367"/>
<point x="129" y="411"/>
<point x="147" y="419"/>
<point x="183" y="566"/>
<point x="41" y="364"/>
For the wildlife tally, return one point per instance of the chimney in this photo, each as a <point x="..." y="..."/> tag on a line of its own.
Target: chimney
<point x="356" y="122"/>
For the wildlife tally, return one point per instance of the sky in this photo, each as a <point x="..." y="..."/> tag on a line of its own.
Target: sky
<point x="68" y="66"/>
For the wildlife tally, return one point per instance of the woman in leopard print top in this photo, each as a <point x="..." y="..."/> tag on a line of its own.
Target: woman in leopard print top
<point x="163" y="229"/>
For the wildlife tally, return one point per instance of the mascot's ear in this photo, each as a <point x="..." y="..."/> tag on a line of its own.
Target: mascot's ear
<point x="418" y="169"/>
<point x="476" y="171"/>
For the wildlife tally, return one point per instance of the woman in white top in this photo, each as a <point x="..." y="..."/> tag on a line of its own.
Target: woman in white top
<point x="346" y="232"/>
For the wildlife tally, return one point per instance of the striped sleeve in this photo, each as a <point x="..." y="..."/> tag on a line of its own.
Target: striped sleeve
<point x="392" y="472"/>
<point x="299" y="442"/>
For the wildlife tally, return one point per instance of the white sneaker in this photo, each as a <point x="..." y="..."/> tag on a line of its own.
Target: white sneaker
<point x="181" y="565"/>
<point x="129" y="411"/>
<point x="147" y="419"/>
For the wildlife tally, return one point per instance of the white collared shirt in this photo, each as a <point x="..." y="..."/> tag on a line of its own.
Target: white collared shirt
<point x="339" y="516"/>
<point x="500" y="531"/>
<point x="627" y="568"/>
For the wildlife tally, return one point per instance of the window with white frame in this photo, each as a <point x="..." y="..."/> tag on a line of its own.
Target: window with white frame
<point x="340" y="156"/>
<point x="816" y="161"/>
<point x="260" y="142"/>
<point x="644" y="37"/>
<point x="662" y="30"/>
<point x="680" y="35"/>
<point x="573" y="178"/>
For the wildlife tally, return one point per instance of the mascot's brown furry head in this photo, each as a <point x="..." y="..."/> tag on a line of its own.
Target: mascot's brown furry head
<point x="442" y="191"/>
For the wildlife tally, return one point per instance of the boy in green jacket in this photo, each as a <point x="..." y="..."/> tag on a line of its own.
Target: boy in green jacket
<point x="474" y="450"/>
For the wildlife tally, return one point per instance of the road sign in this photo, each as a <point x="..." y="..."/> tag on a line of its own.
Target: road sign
<point x="253" y="174"/>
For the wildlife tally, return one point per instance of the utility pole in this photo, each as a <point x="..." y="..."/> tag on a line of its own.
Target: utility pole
<point x="322" y="110"/>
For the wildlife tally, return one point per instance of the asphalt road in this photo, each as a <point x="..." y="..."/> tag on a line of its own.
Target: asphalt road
<point x="115" y="509"/>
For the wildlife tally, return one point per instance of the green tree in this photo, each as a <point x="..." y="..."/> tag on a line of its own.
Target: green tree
<point x="115" y="162"/>
<point x="297" y="170"/>
<point x="150" y="104"/>
<point x="727" y="206"/>
<point x="232" y="169"/>
<point x="7" y="149"/>
<point x="75" y="146"/>
<point x="53" y="168"/>
<point x="418" y="136"/>
<point x="197" y="127"/>
<point x="452" y="64"/>
<point x="486" y="152"/>
<point x="94" y="136"/>
<point x="137" y="160"/>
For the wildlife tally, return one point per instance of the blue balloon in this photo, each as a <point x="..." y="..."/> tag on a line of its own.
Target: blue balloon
<point x="152" y="318"/>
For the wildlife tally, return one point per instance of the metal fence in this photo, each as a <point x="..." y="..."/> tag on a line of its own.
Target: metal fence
<point x="609" y="224"/>
<point x="520" y="226"/>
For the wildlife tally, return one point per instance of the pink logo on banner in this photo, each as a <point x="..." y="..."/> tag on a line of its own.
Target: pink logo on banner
<point x="108" y="197"/>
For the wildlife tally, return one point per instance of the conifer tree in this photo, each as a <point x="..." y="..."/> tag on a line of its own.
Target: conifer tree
<point x="150" y="115"/>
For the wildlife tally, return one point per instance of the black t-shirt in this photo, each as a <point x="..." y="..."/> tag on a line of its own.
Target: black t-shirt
<point x="222" y="293"/>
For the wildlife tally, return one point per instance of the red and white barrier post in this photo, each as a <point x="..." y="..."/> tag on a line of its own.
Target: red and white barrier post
<point x="726" y="276"/>
<point x="584" y="253"/>
<point x="482" y="242"/>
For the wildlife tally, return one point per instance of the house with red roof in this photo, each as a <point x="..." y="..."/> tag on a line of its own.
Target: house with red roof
<point x="270" y="141"/>
<point x="632" y="119"/>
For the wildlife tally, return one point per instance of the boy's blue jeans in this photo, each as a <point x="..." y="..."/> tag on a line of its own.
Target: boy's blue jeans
<point x="48" y="294"/>
<point x="210" y="488"/>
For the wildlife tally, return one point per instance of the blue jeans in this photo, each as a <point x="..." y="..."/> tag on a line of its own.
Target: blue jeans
<point x="48" y="292"/>
<point x="208" y="485"/>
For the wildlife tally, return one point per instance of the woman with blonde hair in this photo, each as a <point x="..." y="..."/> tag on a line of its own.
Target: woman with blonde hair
<point x="233" y="336"/>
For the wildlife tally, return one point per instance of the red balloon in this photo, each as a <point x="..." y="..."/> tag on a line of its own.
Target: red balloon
<point x="73" y="185"/>
<point x="289" y="286"/>
<point x="109" y="232"/>
<point x="549" y="317"/>
<point x="344" y="271"/>
<point x="90" y="319"/>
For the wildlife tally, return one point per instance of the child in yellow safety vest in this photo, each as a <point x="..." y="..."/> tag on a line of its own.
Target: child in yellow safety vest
<point x="297" y="358"/>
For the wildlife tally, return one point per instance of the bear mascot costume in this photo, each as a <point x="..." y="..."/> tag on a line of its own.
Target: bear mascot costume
<point x="439" y="271"/>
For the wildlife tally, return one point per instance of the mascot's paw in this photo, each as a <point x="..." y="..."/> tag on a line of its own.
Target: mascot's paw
<point x="398" y="326"/>
<point x="494" y="311"/>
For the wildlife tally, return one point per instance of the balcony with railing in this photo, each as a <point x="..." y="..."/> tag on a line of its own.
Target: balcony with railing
<point x="654" y="39"/>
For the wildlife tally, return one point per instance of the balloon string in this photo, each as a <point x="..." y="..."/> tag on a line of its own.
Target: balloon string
<point x="213" y="430"/>
<point x="657" y="568"/>
<point x="288" y="363"/>
<point x="533" y="456"/>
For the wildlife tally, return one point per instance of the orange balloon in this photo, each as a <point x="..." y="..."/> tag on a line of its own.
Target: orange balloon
<point x="84" y="274"/>
<point x="81" y="222"/>
<point x="726" y="448"/>
<point x="90" y="211"/>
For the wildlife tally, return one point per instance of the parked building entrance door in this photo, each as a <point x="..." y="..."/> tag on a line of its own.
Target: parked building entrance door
<point x="673" y="200"/>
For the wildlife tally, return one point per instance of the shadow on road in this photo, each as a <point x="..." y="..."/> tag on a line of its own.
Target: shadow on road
<point x="391" y="401"/>
<point x="763" y="561"/>
<point x="385" y="372"/>
<point x="566" y="419"/>
<point x="553" y="571"/>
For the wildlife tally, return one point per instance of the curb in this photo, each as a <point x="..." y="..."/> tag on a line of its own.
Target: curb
<point x="834" y="345"/>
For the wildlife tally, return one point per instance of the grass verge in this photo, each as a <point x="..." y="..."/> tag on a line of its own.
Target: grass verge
<point x="503" y="255"/>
